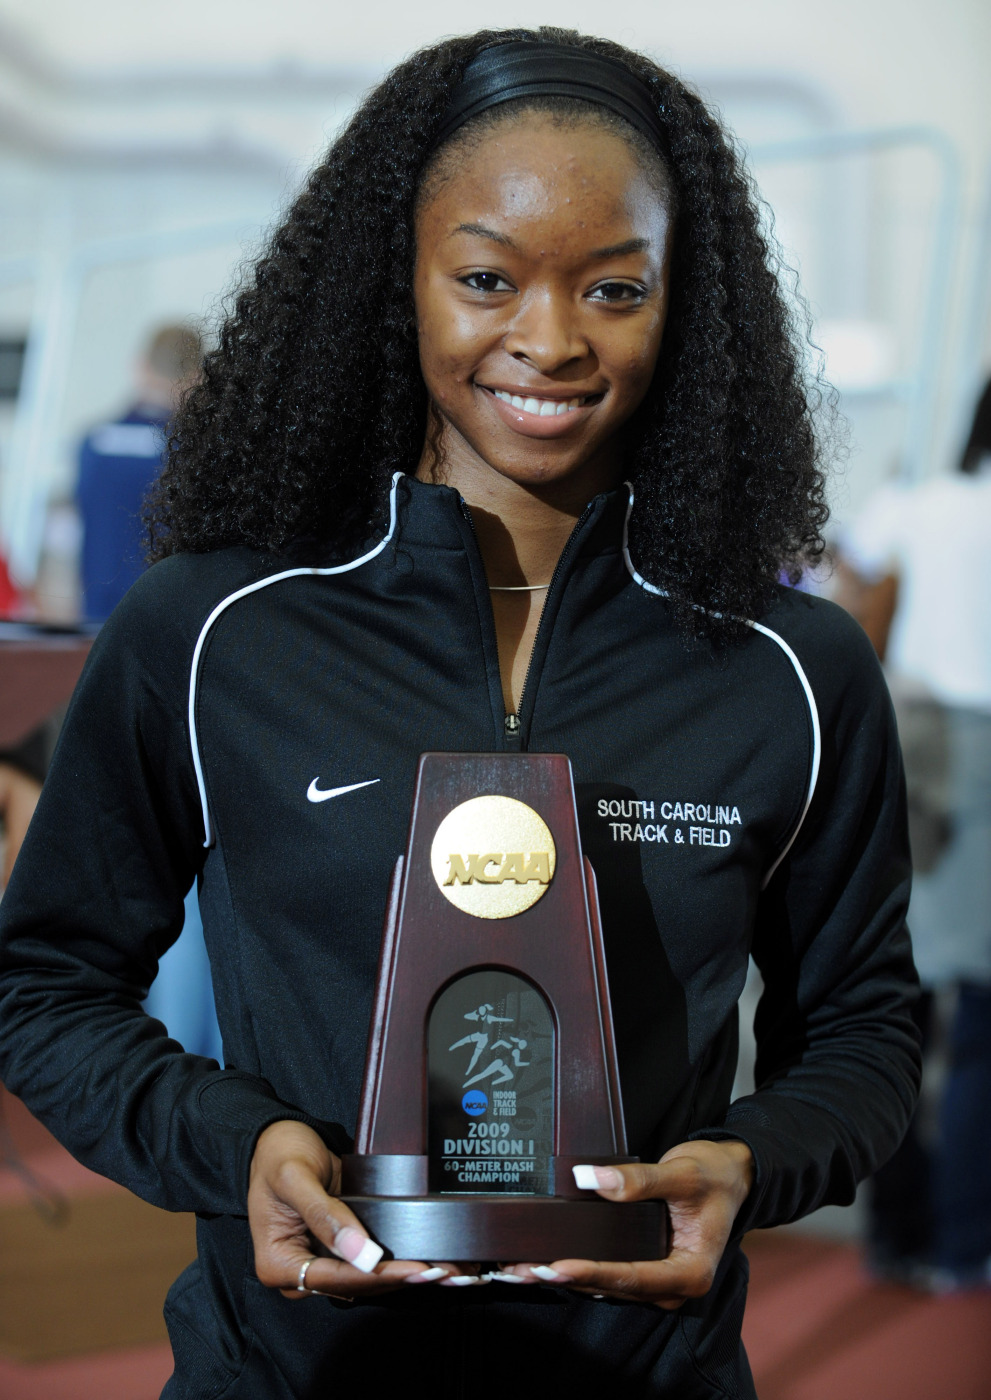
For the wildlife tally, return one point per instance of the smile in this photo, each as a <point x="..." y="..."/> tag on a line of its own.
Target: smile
<point x="543" y="408"/>
<point x="531" y="416"/>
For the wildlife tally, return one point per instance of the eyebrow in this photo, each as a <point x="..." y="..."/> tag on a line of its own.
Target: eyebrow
<point x="614" y="250"/>
<point x="480" y="231"/>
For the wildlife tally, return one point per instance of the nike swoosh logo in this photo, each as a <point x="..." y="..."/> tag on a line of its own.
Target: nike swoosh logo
<point x="316" y="794"/>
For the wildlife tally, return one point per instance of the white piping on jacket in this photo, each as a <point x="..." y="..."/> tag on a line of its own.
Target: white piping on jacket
<point x="800" y="673"/>
<point x="225" y="603"/>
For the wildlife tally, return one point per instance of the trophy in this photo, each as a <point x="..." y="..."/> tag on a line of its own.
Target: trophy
<point x="491" y="1067"/>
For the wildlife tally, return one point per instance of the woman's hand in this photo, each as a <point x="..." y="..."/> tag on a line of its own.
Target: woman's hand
<point x="19" y="795"/>
<point x="293" y="1212"/>
<point x="704" y="1185"/>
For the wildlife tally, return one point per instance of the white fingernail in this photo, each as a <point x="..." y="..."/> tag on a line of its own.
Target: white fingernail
<point x="462" y="1280"/>
<point x="357" y="1249"/>
<point x="598" y="1178"/>
<point x="548" y="1275"/>
<point x="370" y="1255"/>
<point x="427" y="1276"/>
<point x="504" y="1278"/>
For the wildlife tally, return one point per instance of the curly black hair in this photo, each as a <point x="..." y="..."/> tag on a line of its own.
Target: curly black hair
<point x="313" y="396"/>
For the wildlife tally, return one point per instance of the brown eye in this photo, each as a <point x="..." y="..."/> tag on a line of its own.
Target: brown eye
<point x="630" y="292"/>
<point x="486" y="282"/>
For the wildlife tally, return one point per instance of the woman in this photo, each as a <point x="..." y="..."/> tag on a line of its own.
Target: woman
<point x="395" y="520"/>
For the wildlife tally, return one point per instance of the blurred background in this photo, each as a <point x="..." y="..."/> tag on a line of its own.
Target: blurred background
<point x="146" y="149"/>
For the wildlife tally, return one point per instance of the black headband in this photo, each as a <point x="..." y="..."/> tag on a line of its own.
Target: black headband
<point x="527" y="68"/>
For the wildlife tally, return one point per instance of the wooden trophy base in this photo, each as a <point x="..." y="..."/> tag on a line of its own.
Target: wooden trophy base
<point x="388" y="1194"/>
<point x="512" y="1229"/>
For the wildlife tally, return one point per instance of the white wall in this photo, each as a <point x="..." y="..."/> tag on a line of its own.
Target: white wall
<point x="883" y="60"/>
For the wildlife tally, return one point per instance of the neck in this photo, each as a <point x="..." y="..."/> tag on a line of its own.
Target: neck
<point x="521" y="528"/>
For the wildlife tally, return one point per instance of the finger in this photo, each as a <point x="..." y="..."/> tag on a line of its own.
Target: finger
<point x="294" y="1219"/>
<point x="534" y="1273"/>
<point x="303" y="1198"/>
<point x="466" y="1275"/>
<point x="436" y="1273"/>
<point x="327" y="1218"/>
<point x="632" y="1181"/>
<point x="511" y="1273"/>
<point x="684" y="1274"/>
<point x="279" y="1258"/>
<point x="334" y="1279"/>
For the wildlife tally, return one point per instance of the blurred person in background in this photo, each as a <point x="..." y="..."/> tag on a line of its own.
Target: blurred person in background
<point x="915" y="570"/>
<point x="118" y="463"/>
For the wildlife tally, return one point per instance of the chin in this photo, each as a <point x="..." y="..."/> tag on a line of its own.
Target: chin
<point x="538" y="473"/>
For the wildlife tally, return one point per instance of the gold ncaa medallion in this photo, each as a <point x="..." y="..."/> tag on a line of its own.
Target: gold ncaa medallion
<point x="493" y="857"/>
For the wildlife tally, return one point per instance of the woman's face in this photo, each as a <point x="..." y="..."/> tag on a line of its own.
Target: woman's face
<point x="541" y="293"/>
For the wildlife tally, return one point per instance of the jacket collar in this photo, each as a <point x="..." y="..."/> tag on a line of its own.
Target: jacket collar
<point x="435" y="517"/>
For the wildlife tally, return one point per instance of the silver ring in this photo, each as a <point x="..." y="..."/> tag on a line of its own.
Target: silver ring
<point x="301" y="1280"/>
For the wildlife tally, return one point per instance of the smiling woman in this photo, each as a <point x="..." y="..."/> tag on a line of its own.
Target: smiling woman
<point x="315" y="395"/>
<point x="525" y="289"/>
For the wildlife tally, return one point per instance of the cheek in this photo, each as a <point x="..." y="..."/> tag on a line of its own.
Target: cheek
<point x="450" y="346"/>
<point x="635" y="362"/>
<point x="643" y="355"/>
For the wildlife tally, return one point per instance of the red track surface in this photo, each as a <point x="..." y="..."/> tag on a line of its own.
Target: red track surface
<point x="817" y="1329"/>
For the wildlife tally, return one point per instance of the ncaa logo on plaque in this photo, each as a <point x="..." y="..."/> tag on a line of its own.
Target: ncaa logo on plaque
<point x="493" y="857"/>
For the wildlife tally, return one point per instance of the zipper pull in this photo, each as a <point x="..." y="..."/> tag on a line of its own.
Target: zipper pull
<point x="512" y="729"/>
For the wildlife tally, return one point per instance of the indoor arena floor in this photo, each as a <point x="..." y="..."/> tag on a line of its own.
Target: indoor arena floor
<point x="817" y="1329"/>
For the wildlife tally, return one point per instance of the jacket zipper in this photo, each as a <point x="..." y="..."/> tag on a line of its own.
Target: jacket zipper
<point x="512" y="729"/>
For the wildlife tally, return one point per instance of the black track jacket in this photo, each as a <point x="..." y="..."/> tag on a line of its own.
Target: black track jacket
<point x="749" y="802"/>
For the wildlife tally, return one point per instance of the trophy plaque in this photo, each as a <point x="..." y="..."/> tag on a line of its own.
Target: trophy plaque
<point x="491" y="1067"/>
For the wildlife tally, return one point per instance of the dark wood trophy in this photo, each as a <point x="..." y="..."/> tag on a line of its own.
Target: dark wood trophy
<point x="491" y="1066"/>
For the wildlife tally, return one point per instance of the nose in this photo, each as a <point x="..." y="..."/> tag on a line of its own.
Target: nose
<point x="545" y="332"/>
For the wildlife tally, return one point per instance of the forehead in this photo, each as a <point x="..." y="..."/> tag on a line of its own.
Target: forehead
<point x="539" y="169"/>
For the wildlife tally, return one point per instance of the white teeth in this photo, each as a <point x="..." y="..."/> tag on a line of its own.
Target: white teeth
<point x="543" y="408"/>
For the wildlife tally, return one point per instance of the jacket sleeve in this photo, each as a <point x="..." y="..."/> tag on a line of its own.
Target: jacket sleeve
<point x="95" y="899"/>
<point x="838" y="1066"/>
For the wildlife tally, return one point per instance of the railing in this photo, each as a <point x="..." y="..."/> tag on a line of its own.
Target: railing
<point x="920" y="388"/>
